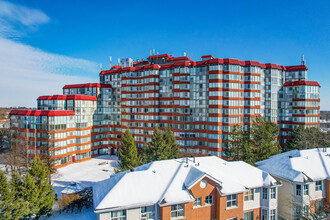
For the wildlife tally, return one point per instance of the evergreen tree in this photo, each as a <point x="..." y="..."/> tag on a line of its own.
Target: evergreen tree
<point x="129" y="157"/>
<point x="30" y="195"/>
<point x="239" y="146"/>
<point x="46" y="197"/>
<point x="6" y="198"/>
<point x="265" y="143"/>
<point x="171" y="145"/>
<point x="19" y="205"/>
<point x="304" y="138"/>
<point x="158" y="149"/>
<point x="146" y="154"/>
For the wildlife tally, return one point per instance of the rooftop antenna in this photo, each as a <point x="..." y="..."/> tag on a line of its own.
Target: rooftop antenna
<point x="303" y="60"/>
<point x="110" y="61"/>
<point x="149" y="52"/>
<point x="184" y="54"/>
<point x="118" y="61"/>
<point x="101" y="66"/>
<point x="153" y="51"/>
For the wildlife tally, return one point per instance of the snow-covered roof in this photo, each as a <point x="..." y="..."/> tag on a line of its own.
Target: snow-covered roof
<point x="167" y="182"/>
<point x="299" y="165"/>
<point x="73" y="188"/>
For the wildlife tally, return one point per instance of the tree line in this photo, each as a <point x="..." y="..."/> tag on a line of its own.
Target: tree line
<point x="26" y="196"/>
<point x="259" y="142"/>
<point x="163" y="146"/>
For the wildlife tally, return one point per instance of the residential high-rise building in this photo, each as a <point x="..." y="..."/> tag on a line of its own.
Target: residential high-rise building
<point x="200" y="100"/>
<point x="203" y="100"/>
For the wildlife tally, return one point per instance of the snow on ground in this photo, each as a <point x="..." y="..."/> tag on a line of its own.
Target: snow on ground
<point x="85" y="173"/>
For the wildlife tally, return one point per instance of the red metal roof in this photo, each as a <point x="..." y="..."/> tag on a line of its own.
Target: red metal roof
<point x="302" y="83"/>
<point x="160" y="56"/>
<point x="99" y="85"/>
<point x="179" y="59"/>
<point x="208" y="56"/>
<point x="68" y="97"/>
<point x="298" y="67"/>
<point x="41" y="112"/>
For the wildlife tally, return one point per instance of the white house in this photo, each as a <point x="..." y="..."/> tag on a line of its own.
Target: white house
<point x="188" y="188"/>
<point x="305" y="178"/>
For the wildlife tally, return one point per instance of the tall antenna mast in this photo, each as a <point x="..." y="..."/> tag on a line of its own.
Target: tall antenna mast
<point x="303" y="60"/>
<point x="101" y="66"/>
<point x="118" y="61"/>
<point x="110" y="62"/>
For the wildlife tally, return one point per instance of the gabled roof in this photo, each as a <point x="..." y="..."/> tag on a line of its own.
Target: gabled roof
<point x="299" y="165"/>
<point x="168" y="182"/>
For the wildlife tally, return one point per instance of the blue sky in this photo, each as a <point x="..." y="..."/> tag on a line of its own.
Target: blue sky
<point x="69" y="39"/>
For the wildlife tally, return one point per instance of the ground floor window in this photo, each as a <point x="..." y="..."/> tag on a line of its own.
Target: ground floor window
<point x="272" y="215"/>
<point x="248" y="215"/>
<point x="118" y="215"/>
<point x="147" y="212"/>
<point x="177" y="210"/>
<point x="318" y="206"/>
<point x="264" y="214"/>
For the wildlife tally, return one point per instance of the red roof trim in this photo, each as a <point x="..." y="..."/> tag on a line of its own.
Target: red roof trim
<point x="86" y="85"/>
<point x="179" y="59"/>
<point x="302" y="83"/>
<point x="208" y="56"/>
<point x="160" y="56"/>
<point x="298" y="67"/>
<point x="41" y="112"/>
<point x="68" y="97"/>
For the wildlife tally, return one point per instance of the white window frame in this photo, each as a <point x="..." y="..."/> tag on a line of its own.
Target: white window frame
<point x="231" y="200"/>
<point x="118" y="217"/>
<point x="198" y="202"/>
<point x="209" y="200"/>
<point x="249" y="195"/>
<point x="318" y="187"/>
<point x="177" y="208"/>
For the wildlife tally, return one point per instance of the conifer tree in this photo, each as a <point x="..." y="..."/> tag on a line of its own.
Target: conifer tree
<point x="158" y="149"/>
<point x="6" y="198"/>
<point x="171" y="145"/>
<point x="146" y="154"/>
<point x="30" y="194"/>
<point x="19" y="204"/>
<point x="40" y="173"/>
<point x="265" y="141"/>
<point x="239" y="146"/>
<point x="129" y="157"/>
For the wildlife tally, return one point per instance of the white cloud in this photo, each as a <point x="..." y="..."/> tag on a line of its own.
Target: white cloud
<point x="13" y="17"/>
<point x="27" y="72"/>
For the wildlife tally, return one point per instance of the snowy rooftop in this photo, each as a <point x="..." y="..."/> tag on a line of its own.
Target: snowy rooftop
<point x="166" y="182"/>
<point x="299" y="165"/>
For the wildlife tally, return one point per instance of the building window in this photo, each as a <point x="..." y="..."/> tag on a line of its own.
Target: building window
<point x="118" y="215"/>
<point x="318" y="185"/>
<point x="198" y="201"/>
<point x="318" y="206"/>
<point x="298" y="190"/>
<point x="273" y="193"/>
<point x="306" y="210"/>
<point x="264" y="193"/>
<point x="248" y="215"/>
<point x="249" y="195"/>
<point x="231" y="201"/>
<point x="306" y="189"/>
<point x="297" y="213"/>
<point x="177" y="210"/>
<point x="209" y="200"/>
<point x="148" y="212"/>
<point x="272" y="215"/>
<point x="264" y="214"/>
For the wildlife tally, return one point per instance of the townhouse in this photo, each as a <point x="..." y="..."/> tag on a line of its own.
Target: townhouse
<point x="188" y="188"/>
<point x="305" y="175"/>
